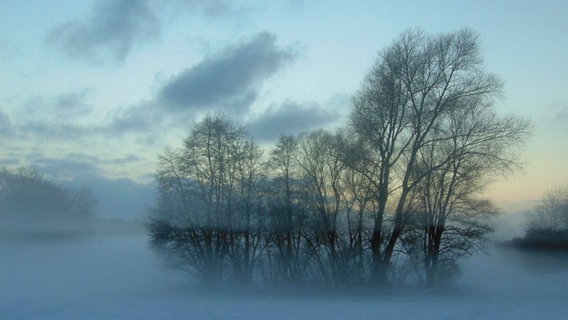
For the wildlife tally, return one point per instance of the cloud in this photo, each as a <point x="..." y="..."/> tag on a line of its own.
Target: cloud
<point x="109" y="34"/>
<point x="229" y="80"/>
<point x="4" y="123"/>
<point x="562" y="114"/>
<point x="555" y="115"/>
<point x="141" y="117"/>
<point x="291" y="118"/>
<point x="72" y="104"/>
<point x="47" y="117"/>
<point x="75" y="165"/>
<point x="72" y="165"/>
<point x="210" y="8"/>
<point x="9" y="161"/>
<point x="146" y="122"/>
<point x="66" y="106"/>
<point x="65" y="118"/>
<point x="45" y="130"/>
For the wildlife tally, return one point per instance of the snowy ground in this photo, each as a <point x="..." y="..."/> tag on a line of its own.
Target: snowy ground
<point x="117" y="277"/>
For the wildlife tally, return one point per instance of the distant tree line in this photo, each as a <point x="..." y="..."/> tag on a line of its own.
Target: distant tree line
<point x="393" y="197"/>
<point x="30" y="203"/>
<point x="547" y="227"/>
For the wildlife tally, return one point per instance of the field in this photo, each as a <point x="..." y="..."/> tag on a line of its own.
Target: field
<point x="118" y="277"/>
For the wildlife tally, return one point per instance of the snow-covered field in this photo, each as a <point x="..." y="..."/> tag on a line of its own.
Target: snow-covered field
<point x="118" y="277"/>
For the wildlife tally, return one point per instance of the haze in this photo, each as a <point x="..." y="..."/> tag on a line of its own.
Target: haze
<point x="118" y="277"/>
<point x="94" y="91"/>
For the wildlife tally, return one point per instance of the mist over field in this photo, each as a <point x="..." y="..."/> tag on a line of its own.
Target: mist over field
<point x="283" y="160"/>
<point x="117" y="276"/>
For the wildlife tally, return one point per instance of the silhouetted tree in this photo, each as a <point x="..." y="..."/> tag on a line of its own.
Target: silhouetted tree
<point x="400" y="187"/>
<point x="321" y="170"/>
<point x="287" y="213"/>
<point x="405" y="102"/>
<point x="469" y="148"/>
<point x="207" y="216"/>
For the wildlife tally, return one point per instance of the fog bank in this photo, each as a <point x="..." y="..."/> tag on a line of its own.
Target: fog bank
<point x="117" y="277"/>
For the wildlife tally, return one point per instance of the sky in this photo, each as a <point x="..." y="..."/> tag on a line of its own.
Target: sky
<point x="92" y="92"/>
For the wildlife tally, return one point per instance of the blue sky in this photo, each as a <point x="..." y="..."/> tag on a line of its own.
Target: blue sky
<point x="92" y="91"/>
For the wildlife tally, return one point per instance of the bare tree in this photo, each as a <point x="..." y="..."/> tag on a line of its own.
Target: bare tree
<point x="469" y="147"/>
<point x="406" y="96"/>
<point x="206" y="215"/>
<point x="319" y="212"/>
<point x="359" y="197"/>
<point x="321" y="171"/>
<point x="247" y="241"/>
<point x="287" y="215"/>
<point x="335" y="207"/>
<point x="334" y="247"/>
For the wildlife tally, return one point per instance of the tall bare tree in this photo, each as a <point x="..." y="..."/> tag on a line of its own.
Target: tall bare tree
<point x="470" y="146"/>
<point x="406" y="96"/>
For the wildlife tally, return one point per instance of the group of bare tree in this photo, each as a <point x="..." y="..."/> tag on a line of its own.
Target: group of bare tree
<point x="395" y="196"/>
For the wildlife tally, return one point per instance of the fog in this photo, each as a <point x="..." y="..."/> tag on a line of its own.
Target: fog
<point x="72" y="269"/>
<point x="116" y="276"/>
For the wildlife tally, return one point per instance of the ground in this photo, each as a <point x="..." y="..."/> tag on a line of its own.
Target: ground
<point x="117" y="277"/>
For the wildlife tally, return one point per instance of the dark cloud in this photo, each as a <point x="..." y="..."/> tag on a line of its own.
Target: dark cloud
<point x="291" y="118"/>
<point x="110" y="32"/>
<point x="229" y="79"/>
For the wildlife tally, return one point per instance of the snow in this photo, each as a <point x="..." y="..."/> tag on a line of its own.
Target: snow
<point x="118" y="277"/>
